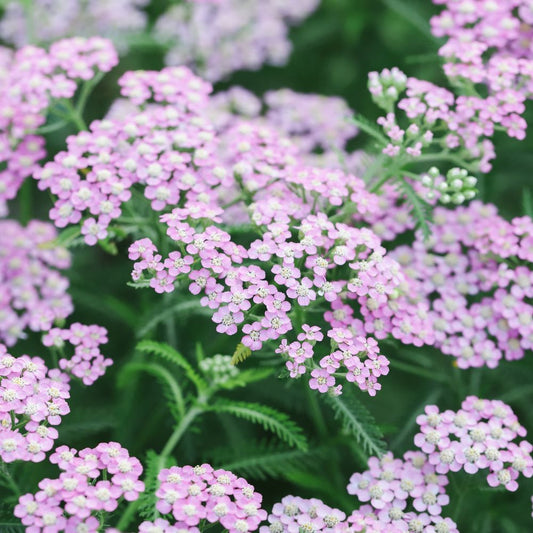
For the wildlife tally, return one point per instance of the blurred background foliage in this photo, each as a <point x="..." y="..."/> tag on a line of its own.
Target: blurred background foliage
<point x="334" y="49"/>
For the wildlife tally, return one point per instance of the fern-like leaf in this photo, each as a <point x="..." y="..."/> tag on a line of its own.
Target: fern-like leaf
<point x="421" y="210"/>
<point x="270" y="419"/>
<point x="170" y="386"/>
<point x="369" y="127"/>
<point x="147" y="499"/>
<point x="240" y="354"/>
<point x="358" y="421"/>
<point x="11" y="527"/>
<point x="171" y="355"/>
<point x="265" y="460"/>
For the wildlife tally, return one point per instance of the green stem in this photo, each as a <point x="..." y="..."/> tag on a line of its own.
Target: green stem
<point x="376" y="186"/>
<point x="316" y="414"/>
<point x="172" y="442"/>
<point x="445" y="157"/>
<point x="373" y="132"/>
<point x="85" y="92"/>
<point x="74" y="116"/>
<point x="25" y="197"/>
<point x="49" y="128"/>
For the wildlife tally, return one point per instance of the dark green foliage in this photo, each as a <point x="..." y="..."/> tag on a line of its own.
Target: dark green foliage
<point x="171" y="355"/>
<point x="270" y="419"/>
<point x="357" y="421"/>
<point x="263" y="460"/>
<point x="421" y="210"/>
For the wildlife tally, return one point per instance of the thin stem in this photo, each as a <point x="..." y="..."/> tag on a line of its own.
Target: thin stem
<point x="370" y="130"/>
<point x="75" y="116"/>
<point x="316" y="414"/>
<point x="445" y="157"/>
<point x="85" y="92"/>
<point x="172" y="442"/>
<point x="60" y="124"/>
<point x="25" y="196"/>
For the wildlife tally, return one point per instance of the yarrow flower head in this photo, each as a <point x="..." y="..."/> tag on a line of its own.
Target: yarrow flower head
<point x="489" y="42"/>
<point x="33" y="292"/>
<point x="33" y="399"/>
<point x="481" y="435"/>
<point x="50" y="20"/>
<point x="257" y="28"/>
<point x="93" y="481"/>
<point x="473" y="306"/>
<point x="295" y="514"/>
<point x="87" y="362"/>
<point x="192" y="494"/>
<point x="30" y="80"/>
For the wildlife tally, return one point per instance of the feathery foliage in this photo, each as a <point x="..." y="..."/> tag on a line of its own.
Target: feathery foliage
<point x="358" y="421"/>
<point x="263" y="460"/>
<point x="421" y="210"/>
<point x="166" y="352"/>
<point x="170" y="386"/>
<point x="270" y="419"/>
<point x="240" y="354"/>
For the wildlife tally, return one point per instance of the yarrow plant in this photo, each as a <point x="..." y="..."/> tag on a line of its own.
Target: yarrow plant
<point x="288" y="259"/>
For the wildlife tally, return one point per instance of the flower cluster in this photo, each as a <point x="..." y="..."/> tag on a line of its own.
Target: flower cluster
<point x="481" y="435"/>
<point x="312" y="122"/>
<point x="31" y="79"/>
<point x="260" y="290"/>
<point x="489" y="43"/>
<point x="294" y="514"/>
<point x="192" y="494"/>
<point x="158" y="148"/>
<point x="32" y="400"/>
<point x="218" y="368"/>
<point x="93" y="481"/>
<point x="468" y="121"/>
<point x="87" y="363"/>
<point x="49" y="20"/>
<point x="205" y="35"/>
<point x="301" y="254"/>
<point x="33" y="294"/>
<point x="407" y="494"/>
<point x="410" y="493"/>
<point x="468" y="288"/>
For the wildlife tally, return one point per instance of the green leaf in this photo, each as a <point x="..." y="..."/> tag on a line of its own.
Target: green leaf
<point x="265" y="460"/>
<point x="369" y="127"/>
<point x="358" y="421"/>
<point x="245" y="377"/>
<point x="147" y="498"/>
<point x="171" y="355"/>
<point x="240" y="354"/>
<point x="141" y="284"/>
<point x="11" y="527"/>
<point x="270" y="419"/>
<point x="420" y="209"/>
<point x="108" y="246"/>
<point x="65" y="239"/>
<point x="170" y="386"/>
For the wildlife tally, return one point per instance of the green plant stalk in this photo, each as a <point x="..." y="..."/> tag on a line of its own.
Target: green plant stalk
<point x="172" y="442"/>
